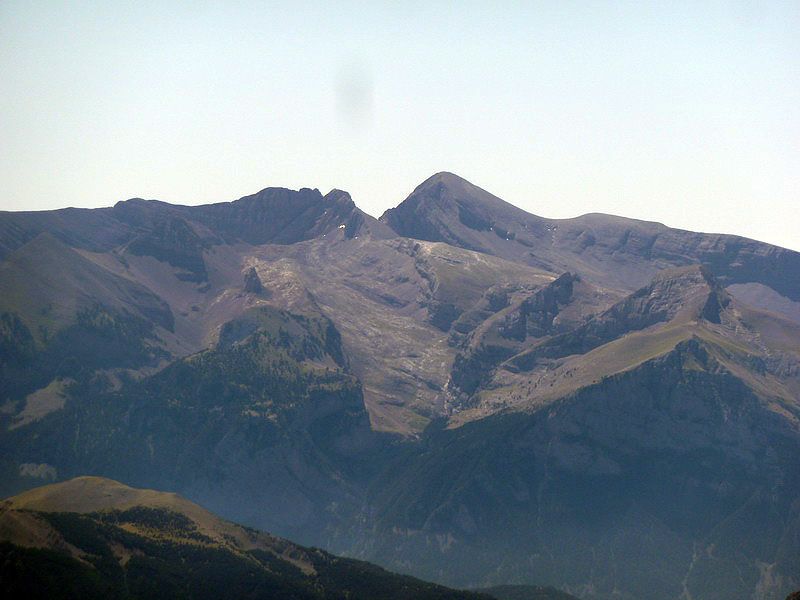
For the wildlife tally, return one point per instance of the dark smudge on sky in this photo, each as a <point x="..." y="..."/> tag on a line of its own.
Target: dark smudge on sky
<point x="354" y="94"/>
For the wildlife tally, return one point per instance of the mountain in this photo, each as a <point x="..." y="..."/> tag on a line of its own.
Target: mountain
<point x="526" y="592"/>
<point x="641" y="432"/>
<point x="460" y="390"/>
<point x="96" y="538"/>
<point x="614" y="251"/>
<point x="271" y="407"/>
<point x="273" y="215"/>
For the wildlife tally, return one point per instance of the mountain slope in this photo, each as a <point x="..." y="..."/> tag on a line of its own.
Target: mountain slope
<point x="269" y="416"/>
<point x="526" y="592"/>
<point x="46" y="283"/>
<point x="661" y="468"/>
<point x="394" y="302"/>
<point x="275" y="215"/>
<point x="61" y="314"/>
<point x="310" y="252"/>
<point x="609" y="250"/>
<point x="527" y="369"/>
<point x="97" y="538"/>
<point x="602" y="404"/>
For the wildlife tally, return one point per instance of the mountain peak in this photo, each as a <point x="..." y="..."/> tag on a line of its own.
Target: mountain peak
<point x="444" y="177"/>
<point x="448" y="208"/>
<point x="445" y="184"/>
<point x="337" y="195"/>
<point x="693" y="291"/>
<point x="91" y="494"/>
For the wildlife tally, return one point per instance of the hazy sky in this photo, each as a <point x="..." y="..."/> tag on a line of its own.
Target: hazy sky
<point x="684" y="113"/>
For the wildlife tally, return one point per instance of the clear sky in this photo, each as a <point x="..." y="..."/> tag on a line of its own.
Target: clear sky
<point x="686" y="113"/>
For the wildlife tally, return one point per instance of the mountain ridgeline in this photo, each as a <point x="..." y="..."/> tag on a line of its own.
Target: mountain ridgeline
<point x="91" y="537"/>
<point x="459" y="390"/>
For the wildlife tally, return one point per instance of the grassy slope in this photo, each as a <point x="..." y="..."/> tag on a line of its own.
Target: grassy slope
<point x="46" y="283"/>
<point x="93" y="537"/>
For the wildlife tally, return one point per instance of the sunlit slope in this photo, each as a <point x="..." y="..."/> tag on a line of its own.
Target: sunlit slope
<point x="678" y="306"/>
<point x="612" y="251"/>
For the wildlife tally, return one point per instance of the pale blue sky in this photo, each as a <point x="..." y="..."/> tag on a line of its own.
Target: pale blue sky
<point x="686" y="113"/>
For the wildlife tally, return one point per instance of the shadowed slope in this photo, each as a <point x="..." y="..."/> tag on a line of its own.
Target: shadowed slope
<point x="93" y="537"/>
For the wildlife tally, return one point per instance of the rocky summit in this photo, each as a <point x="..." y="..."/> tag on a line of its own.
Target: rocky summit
<point x="459" y="390"/>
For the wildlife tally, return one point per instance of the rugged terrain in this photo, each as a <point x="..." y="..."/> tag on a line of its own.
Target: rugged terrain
<point x="96" y="538"/>
<point x="459" y="390"/>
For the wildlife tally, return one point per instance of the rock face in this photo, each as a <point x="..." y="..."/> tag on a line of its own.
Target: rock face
<point x="460" y="390"/>
<point x="252" y="282"/>
<point x="638" y="469"/>
<point x="280" y="216"/>
<point x="529" y="319"/>
<point x="173" y="241"/>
